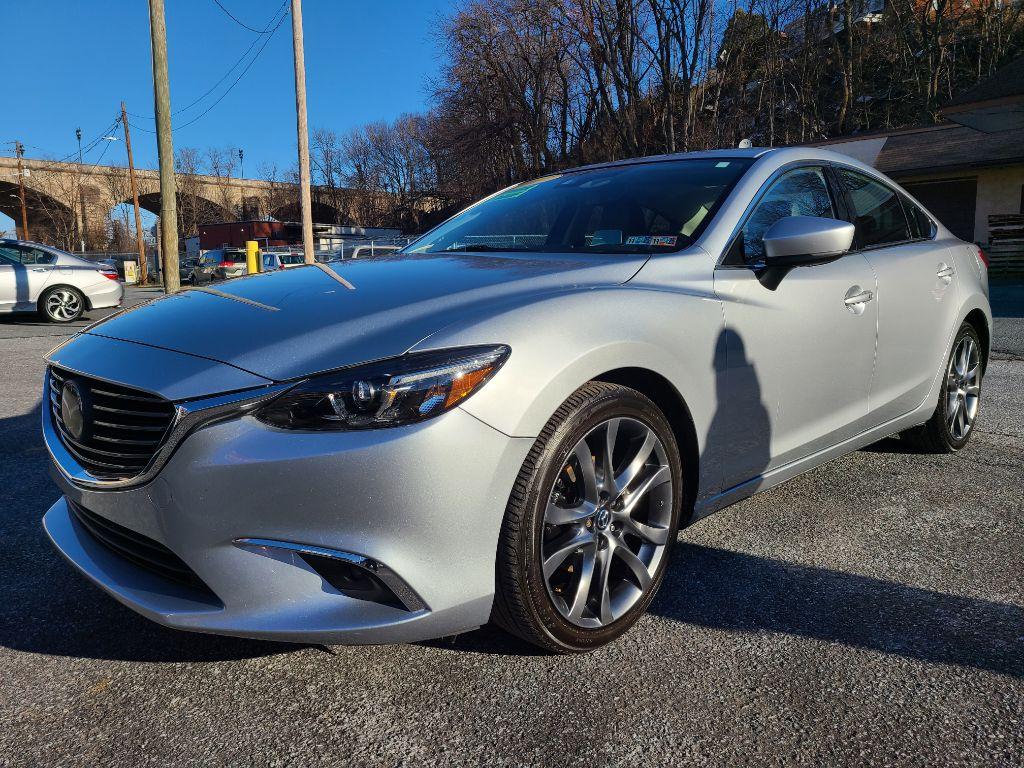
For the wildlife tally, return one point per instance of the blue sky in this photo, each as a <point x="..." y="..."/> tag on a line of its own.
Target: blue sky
<point x="77" y="59"/>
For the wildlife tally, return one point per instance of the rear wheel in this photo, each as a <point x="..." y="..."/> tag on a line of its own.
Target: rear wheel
<point x="590" y="523"/>
<point x="62" y="304"/>
<point x="956" y="413"/>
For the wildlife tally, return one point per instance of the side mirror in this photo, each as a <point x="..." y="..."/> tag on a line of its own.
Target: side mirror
<point x="797" y="240"/>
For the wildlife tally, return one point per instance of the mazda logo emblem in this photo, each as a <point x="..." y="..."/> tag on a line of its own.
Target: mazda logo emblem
<point x="74" y="411"/>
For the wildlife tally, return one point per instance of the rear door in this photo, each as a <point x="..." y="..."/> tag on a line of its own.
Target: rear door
<point x="917" y="291"/>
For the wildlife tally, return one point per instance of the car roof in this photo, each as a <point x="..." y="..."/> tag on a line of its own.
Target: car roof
<point x="779" y="155"/>
<point x="723" y="154"/>
<point x="31" y="243"/>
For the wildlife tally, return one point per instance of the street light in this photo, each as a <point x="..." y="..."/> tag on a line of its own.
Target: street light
<point x="81" y="200"/>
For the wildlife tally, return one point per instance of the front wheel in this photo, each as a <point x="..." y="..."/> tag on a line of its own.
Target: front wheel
<point x="590" y="522"/>
<point x="62" y="304"/>
<point x="956" y="413"/>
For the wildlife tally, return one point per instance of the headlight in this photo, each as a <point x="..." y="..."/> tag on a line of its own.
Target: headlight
<point x="388" y="393"/>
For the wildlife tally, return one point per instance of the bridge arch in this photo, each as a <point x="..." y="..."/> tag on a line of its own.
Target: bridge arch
<point x="50" y="220"/>
<point x="323" y="213"/>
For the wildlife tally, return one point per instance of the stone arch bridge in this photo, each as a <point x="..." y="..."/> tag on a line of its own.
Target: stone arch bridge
<point x="68" y="202"/>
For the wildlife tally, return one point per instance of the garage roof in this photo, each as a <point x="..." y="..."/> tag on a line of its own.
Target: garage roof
<point x="934" y="148"/>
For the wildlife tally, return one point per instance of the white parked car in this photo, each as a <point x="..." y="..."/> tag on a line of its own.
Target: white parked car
<point x="39" y="278"/>
<point x="275" y="260"/>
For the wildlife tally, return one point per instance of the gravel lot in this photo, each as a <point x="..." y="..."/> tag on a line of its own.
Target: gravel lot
<point x="871" y="611"/>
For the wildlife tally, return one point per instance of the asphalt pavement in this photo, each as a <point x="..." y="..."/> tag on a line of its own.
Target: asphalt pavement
<point x="868" y="612"/>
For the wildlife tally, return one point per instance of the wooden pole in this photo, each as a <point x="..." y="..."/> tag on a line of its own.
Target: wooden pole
<point x="19" y="150"/>
<point x="135" y="199"/>
<point x="302" y="127"/>
<point x="165" y="148"/>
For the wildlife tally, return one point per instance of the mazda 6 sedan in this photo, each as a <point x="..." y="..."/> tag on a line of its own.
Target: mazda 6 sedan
<point x="510" y="419"/>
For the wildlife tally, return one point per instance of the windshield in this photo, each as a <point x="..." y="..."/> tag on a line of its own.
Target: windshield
<point x="644" y="208"/>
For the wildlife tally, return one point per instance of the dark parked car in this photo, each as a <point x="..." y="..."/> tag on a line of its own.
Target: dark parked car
<point x="218" y="264"/>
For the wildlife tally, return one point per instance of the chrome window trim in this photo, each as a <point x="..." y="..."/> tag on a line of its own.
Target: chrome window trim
<point x="188" y="416"/>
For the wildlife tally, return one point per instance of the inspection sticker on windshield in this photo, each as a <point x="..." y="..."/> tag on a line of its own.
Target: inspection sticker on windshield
<point x="655" y="240"/>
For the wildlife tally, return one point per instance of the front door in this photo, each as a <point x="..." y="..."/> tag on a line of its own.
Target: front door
<point x="24" y="272"/>
<point x="799" y="354"/>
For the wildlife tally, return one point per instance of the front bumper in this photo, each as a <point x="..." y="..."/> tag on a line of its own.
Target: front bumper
<point x="426" y="501"/>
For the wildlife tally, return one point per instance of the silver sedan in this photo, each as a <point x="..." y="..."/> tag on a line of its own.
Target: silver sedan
<point x="62" y="287"/>
<point x="510" y="419"/>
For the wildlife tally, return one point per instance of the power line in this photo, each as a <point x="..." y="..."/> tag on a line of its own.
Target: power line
<point x="86" y="148"/>
<point x="241" y="23"/>
<point x="266" y="41"/>
<point x="271" y="28"/>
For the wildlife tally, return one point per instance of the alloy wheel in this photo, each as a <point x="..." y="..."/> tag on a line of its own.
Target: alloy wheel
<point x="607" y="522"/>
<point x="63" y="305"/>
<point x="963" y="388"/>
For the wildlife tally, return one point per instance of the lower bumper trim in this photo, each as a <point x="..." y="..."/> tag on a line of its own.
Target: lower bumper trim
<point x="377" y="571"/>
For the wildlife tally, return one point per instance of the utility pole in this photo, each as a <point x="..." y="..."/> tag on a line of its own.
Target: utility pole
<point x="139" y="239"/>
<point x="305" y="198"/>
<point x="241" y="163"/>
<point x="165" y="148"/>
<point x="81" y="200"/>
<point x="19" y="150"/>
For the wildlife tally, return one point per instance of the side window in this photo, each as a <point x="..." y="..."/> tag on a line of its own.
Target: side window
<point x="36" y="256"/>
<point x="9" y="256"/>
<point x="800" y="192"/>
<point x="877" y="211"/>
<point x="920" y="225"/>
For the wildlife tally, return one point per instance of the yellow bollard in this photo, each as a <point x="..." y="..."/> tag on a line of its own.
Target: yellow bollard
<point x="252" y="256"/>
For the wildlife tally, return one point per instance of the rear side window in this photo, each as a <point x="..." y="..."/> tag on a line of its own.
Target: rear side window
<point x="800" y="192"/>
<point x="15" y="254"/>
<point x="921" y="226"/>
<point x="877" y="212"/>
<point x="36" y="256"/>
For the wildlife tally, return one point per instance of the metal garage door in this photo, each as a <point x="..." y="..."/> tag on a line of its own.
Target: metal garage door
<point x="952" y="200"/>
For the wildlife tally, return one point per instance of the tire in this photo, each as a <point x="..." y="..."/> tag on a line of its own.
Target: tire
<point x="956" y="414"/>
<point x="568" y="611"/>
<point x="62" y="304"/>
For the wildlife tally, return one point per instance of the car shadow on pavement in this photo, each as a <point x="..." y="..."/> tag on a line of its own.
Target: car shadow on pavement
<point x="741" y="592"/>
<point x="47" y="608"/>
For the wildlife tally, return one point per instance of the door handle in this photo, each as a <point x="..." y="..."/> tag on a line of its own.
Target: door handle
<point x="945" y="273"/>
<point x="40" y="269"/>
<point x="856" y="299"/>
<point x="859" y="298"/>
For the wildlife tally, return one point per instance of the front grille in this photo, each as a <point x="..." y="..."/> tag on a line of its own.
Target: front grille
<point x="127" y="426"/>
<point x="136" y="548"/>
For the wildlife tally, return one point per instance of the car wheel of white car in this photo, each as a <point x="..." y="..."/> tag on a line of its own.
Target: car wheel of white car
<point x="62" y="304"/>
<point x="590" y="523"/>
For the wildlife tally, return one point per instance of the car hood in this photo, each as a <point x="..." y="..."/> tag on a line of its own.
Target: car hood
<point x="291" y="323"/>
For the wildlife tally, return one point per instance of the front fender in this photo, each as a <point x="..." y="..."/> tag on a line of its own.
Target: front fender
<point x="561" y="342"/>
